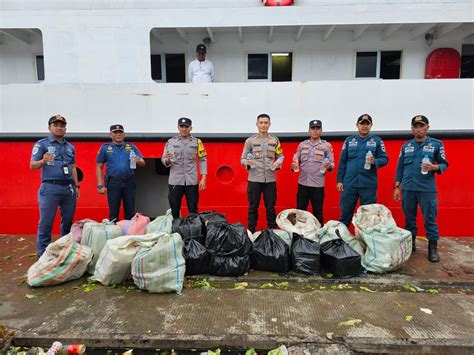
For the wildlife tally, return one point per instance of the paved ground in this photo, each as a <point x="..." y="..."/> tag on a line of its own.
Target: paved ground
<point x="370" y="313"/>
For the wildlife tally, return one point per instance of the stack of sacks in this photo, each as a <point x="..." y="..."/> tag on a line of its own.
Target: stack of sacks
<point x="388" y="247"/>
<point x="189" y="227"/>
<point x="210" y="217"/>
<point x="305" y="255"/>
<point x="229" y="246"/>
<point x="62" y="261"/>
<point x="135" y="226"/>
<point x="299" y="222"/>
<point x="114" y="264"/>
<point x="161" y="224"/>
<point x="271" y="251"/>
<point x="95" y="235"/>
<point x="160" y="268"/>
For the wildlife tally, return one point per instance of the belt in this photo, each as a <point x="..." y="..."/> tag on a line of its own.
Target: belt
<point x="58" y="182"/>
<point x="120" y="179"/>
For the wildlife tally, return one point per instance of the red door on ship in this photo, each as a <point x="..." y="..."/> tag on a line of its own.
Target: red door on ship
<point x="443" y="63"/>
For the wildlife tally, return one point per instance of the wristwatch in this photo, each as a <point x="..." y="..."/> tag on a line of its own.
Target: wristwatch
<point x="100" y="186"/>
<point x="396" y="186"/>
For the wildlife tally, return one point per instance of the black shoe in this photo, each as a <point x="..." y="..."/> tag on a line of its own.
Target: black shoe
<point x="432" y="251"/>
<point x="413" y="244"/>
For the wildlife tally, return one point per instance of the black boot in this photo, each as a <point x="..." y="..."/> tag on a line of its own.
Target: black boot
<point x="432" y="251"/>
<point x="413" y="245"/>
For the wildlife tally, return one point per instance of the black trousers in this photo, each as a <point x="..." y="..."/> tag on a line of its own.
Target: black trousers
<point x="313" y="194"/>
<point x="175" y="196"/>
<point x="254" y="192"/>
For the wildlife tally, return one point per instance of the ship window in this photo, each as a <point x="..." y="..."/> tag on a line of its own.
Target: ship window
<point x="270" y="66"/>
<point x="169" y="68"/>
<point x="39" y="67"/>
<point x="378" y="64"/>
<point x="258" y="66"/>
<point x="467" y="61"/>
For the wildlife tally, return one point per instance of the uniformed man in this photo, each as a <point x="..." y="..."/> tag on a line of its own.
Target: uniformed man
<point x="314" y="157"/>
<point x="180" y="155"/>
<point x="262" y="155"/>
<point x="121" y="159"/>
<point x="361" y="156"/>
<point x="420" y="158"/>
<point x="201" y="70"/>
<point x="59" y="188"/>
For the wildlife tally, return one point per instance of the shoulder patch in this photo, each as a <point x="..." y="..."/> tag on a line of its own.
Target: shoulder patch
<point x="201" y="151"/>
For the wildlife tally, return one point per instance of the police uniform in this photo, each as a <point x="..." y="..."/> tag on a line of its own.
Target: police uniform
<point x="183" y="179"/>
<point x="417" y="188"/>
<point x="57" y="187"/>
<point x="358" y="182"/>
<point x="311" y="157"/>
<point x="119" y="179"/>
<point x="265" y="150"/>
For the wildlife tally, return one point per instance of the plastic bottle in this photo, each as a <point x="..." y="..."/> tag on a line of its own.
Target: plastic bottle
<point x="51" y="150"/>
<point x="249" y="157"/>
<point x="295" y="165"/>
<point x="277" y="163"/>
<point x="425" y="160"/>
<point x="323" y="166"/>
<point x="170" y="150"/>
<point x="367" y="163"/>
<point x="133" y="163"/>
<point x="74" y="349"/>
<point x="55" y="348"/>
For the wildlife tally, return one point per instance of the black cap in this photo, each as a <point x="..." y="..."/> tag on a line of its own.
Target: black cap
<point x="116" y="127"/>
<point x="57" y="118"/>
<point x="184" y="121"/>
<point x="420" y="119"/>
<point x="315" y="123"/>
<point x="201" y="48"/>
<point x="364" y="118"/>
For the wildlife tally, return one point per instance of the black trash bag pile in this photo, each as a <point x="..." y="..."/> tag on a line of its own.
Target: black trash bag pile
<point x="229" y="246"/>
<point x="189" y="227"/>
<point x="305" y="255"/>
<point x="339" y="259"/>
<point x="211" y="217"/>
<point x="270" y="253"/>
<point x="197" y="257"/>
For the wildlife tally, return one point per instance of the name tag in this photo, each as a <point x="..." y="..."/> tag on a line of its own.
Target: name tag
<point x="429" y="149"/>
<point x="65" y="170"/>
<point x="353" y="144"/>
<point x="409" y="149"/>
<point x="371" y="144"/>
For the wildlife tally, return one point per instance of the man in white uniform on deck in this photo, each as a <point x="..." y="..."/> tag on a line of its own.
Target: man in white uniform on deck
<point x="200" y="70"/>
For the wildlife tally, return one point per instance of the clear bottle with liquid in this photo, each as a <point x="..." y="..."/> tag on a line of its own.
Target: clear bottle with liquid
<point x="249" y="157"/>
<point x="295" y="166"/>
<point x="170" y="150"/>
<point x="133" y="163"/>
<point x="277" y="163"/>
<point x="367" y="162"/>
<point x="323" y="166"/>
<point x="52" y="151"/>
<point x="425" y="160"/>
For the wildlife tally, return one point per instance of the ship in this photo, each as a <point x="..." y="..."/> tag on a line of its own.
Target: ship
<point x="100" y="62"/>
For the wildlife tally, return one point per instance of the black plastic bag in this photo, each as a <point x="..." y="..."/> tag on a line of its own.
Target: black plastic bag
<point x="228" y="239"/>
<point x="270" y="253"/>
<point x="229" y="265"/>
<point x="210" y="217"/>
<point x="188" y="227"/>
<point x="197" y="258"/>
<point x="305" y="255"/>
<point x="339" y="259"/>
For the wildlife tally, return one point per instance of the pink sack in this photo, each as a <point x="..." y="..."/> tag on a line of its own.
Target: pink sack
<point x="135" y="226"/>
<point x="77" y="227"/>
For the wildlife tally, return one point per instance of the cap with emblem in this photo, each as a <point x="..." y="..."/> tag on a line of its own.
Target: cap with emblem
<point x="116" y="127"/>
<point x="364" y="118"/>
<point x="184" y="121"/>
<point x="420" y="119"/>
<point x="315" y="123"/>
<point x="201" y="48"/>
<point x="57" y="118"/>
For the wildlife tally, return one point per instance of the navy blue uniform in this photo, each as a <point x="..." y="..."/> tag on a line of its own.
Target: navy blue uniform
<point x="56" y="190"/>
<point x="417" y="188"/>
<point x="119" y="177"/>
<point x="358" y="182"/>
